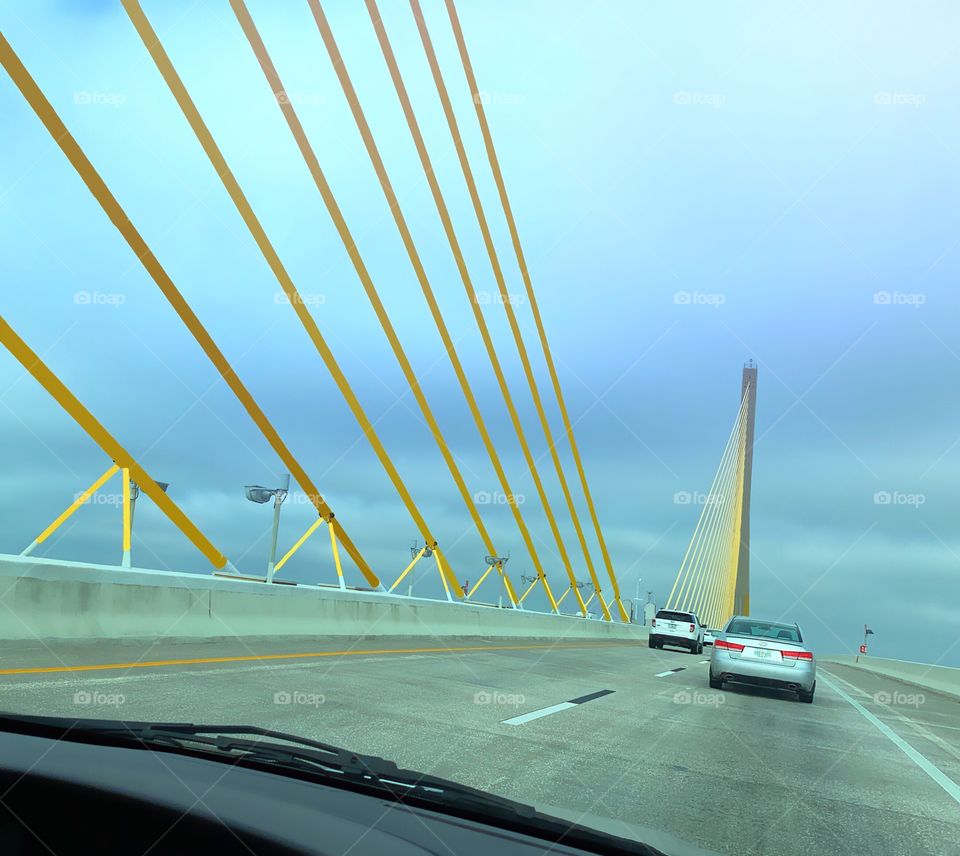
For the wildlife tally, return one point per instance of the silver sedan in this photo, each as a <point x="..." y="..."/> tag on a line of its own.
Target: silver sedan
<point x="763" y="653"/>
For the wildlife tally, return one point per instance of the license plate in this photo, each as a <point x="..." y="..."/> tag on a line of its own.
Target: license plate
<point x="768" y="654"/>
<point x="672" y="626"/>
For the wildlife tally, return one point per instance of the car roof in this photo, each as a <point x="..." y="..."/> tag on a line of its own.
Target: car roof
<point x="770" y="621"/>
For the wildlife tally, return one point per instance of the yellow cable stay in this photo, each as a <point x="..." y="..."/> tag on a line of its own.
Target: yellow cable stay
<point x="401" y="223"/>
<point x="515" y="238"/>
<point x="472" y="296"/>
<point x="707" y="574"/>
<point x="309" y="156"/>
<point x="178" y="89"/>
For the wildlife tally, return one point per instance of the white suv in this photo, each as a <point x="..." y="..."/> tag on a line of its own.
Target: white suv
<point x="672" y="627"/>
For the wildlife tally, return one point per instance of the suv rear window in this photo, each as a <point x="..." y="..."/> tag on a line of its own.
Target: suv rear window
<point x="675" y="616"/>
<point x="764" y="630"/>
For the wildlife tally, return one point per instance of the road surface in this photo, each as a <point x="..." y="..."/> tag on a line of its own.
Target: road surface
<point x="598" y="730"/>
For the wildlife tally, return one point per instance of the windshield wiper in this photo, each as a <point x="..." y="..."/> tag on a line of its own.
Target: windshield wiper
<point x="331" y="764"/>
<point x="305" y="754"/>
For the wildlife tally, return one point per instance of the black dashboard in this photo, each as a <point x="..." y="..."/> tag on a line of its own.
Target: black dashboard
<point x="62" y="796"/>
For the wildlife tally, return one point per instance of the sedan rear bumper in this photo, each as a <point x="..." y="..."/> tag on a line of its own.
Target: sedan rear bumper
<point x="801" y="676"/>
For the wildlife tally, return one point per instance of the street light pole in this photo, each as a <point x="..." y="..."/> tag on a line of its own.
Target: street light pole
<point x="258" y="494"/>
<point x="278" y="497"/>
<point x="414" y="552"/>
<point x="636" y="602"/>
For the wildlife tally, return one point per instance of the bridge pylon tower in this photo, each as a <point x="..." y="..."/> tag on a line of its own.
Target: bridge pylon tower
<point x="714" y="576"/>
<point x="748" y="391"/>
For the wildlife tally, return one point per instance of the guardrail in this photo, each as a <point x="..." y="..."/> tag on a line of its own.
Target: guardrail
<point x="941" y="679"/>
<point x="53" y="599"/>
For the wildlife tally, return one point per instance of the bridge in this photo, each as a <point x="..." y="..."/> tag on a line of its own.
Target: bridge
<point x="565" y="701"/>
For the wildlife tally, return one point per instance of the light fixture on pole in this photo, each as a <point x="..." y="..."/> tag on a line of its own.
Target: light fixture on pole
<point x="135" y="492"/>
<point x="636" y="601"/>
<point x="499" y="562"/>
<point x="132" y="505"/>
<point x="414" y="553"/>
<point x="259" y="494"/>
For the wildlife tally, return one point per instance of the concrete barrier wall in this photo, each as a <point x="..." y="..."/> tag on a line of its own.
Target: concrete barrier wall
<point x="941" y="679"/>
<point x="51" y="599"/>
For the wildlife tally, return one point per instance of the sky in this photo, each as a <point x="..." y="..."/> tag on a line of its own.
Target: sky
<point x="695" y="185"/>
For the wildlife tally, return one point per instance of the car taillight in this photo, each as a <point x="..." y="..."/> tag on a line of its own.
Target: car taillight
<point x="796" y="655"/>
<point x="732" y="646"/>
<point x="692" y="628"/>
<point x="653" y="622"/>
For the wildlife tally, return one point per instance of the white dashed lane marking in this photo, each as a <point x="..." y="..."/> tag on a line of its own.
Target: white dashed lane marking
<point x="671" y="672"/>
<point x="555" y="708"/>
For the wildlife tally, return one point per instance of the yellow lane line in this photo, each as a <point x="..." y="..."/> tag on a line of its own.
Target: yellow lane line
<point x="150" y="664"/>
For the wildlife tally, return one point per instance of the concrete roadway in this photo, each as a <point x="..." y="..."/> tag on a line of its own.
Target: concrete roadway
<point x="744" y="771"/>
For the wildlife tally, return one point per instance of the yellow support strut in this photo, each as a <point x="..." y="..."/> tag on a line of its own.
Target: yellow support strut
<point x="336" y="555"/>
<point x="82" y="499"/>
<point x="523" y="597"/>
<point x="444" y="573"/>
<point x="483" y="576"/>
<point x="408" y="568"/>
<point x="300" y="542"/>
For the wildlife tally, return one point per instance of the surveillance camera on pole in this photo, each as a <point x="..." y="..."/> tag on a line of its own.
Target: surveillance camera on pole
<point x="259" y="494"/>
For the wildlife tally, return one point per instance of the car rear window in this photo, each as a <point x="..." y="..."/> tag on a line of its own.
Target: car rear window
<point x="674" y="616"/>
<point x="764" y="630"/>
